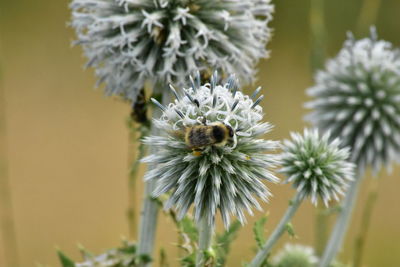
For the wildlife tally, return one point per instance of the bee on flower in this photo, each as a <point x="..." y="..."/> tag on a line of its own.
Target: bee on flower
<point x="211" y="154"/>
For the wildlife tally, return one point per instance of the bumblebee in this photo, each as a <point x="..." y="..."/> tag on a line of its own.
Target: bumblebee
<point x="200" y="136"/>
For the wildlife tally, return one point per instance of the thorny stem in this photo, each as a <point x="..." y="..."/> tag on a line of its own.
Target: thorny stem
<point x="277" y="233"/>
<point x="365" y="222"/>
<point x="150" y="206"/>
<point x="206" y="230"/>
<point x="318" y="52"/>
<point x="342" y="222"/>
<point x="144" y="130"/>
<point x="6" y="208"/>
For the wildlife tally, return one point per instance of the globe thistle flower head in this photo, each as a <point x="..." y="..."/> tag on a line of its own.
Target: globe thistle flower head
<point x="198" y="167"/>
<point x="357" y="98"/>
<point x="295" y="255"/>
<point x="316" y="166"/>
<point x="131" y="41"/>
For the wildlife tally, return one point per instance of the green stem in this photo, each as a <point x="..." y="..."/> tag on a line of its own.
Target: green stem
<point x="6" y="207"/>
<point x="342" y="222"/>
<point x="134" y="172"/>
<point x="317" y="58"/>
<point x="368" y="14"/>
<point x="277" y="233"/>
<point x="206" y="230"/>
<point x="365" y="222"/>
<point x="318" y="39"/>
<point x="321" y="230"/>
<point x="150" y="206"/>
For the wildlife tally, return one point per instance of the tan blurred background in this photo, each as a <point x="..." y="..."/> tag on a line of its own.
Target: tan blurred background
<point x="66" y="144"/>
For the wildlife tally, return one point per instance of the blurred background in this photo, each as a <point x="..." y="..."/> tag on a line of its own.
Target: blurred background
<point x="65" y="146"/>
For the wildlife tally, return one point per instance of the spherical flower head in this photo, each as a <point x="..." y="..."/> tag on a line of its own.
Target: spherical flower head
<point x="223" y="175"/>
<point x="316" y="166"/>
<point x="131" y="41"/>
<point x="357" y="98"/>
<point x="295" y="255"/>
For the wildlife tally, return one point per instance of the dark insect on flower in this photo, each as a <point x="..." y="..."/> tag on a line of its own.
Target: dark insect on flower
<point x="200" y="136"/>
<point x="139" y="108"/>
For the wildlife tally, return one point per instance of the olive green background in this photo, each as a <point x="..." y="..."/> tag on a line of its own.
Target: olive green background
<point x="67" y="144"/>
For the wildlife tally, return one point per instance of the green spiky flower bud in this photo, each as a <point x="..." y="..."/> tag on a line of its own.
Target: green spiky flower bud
<point x="316" y="166"/>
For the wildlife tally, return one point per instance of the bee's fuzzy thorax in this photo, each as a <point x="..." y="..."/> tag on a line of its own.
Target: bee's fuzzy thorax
<point x="200" y="136"/>
<point x="226" y="126"/>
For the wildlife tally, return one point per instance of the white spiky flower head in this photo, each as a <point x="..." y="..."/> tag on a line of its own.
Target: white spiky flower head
<point x="226" y="178"/>
<point x="357" y="98"/>
<point x="131" y="41"/>
<point x="316" y="166"/>
<point x="295" y="255"/>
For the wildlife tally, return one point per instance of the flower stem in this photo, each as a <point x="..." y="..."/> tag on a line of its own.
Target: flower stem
<point x="321" y="229"/>
<point x="317" y="58"/>
<point x="150" y="206"/>
<point x="144" y="130"/>
<point x="342" y="222"/>
<point x="277" y="233"/>
<point x="365" y="222"/>
<point x="206" y="230"/>
<point x="368" y="14"/>
<point x="318" y="40"/>
<point x="6" y="208"/>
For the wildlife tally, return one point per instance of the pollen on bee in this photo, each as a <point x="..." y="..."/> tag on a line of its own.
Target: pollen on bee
<point x="196" y="153"/>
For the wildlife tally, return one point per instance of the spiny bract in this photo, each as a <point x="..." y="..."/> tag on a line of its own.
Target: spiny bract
<point x="131" y="41"/>
<point x="295" y="255"/>
<point x="316" y="166"/>
<point x="357" y="98"/>
<point x="124" y="256"/>
<point x="226" y="178"/>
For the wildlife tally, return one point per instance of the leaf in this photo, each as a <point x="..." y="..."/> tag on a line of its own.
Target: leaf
<point x="188" y="227"/>
<point x="224" y="240"/>
<point x="290" y="230"/>
<point x="189" y="260"/>
<point x="144" y="258"/>
<point x="259" y="229"/>
<point x="65" y="261"/>
<point x="163" y="258"/>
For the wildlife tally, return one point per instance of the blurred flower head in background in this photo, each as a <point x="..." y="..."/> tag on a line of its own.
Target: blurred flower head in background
<point x="357" y="98"/>
<point x="131" y="41"/>
<point x="225" y="177"/>
<point x="295" y="255"/>
<point x="316" y="166"/>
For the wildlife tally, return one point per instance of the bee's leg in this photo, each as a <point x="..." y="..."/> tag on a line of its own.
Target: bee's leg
<point x="234" y="141"/>
<point x="197" y="152"/>
<point x="202" y="120"/>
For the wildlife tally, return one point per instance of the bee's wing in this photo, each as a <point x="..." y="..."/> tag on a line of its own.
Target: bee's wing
<point x="180" y="134"/>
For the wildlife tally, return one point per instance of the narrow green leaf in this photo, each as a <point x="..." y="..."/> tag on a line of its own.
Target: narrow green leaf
<point x="65" y="261"/>
<point x="259" y="230"/>
<point x="163" y="258"/>
<point x="224" y="240"/>
<point x="188" y="227"/>
<point x="290" y="230"/>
